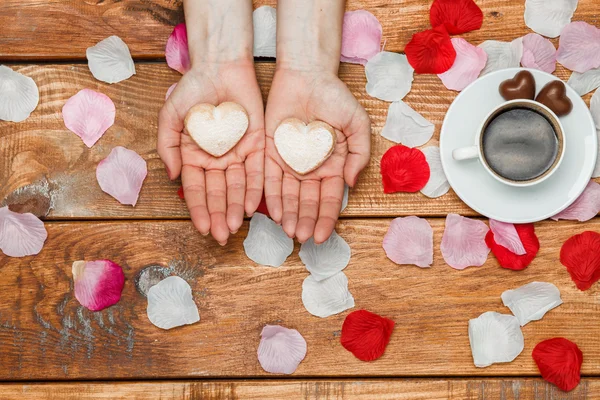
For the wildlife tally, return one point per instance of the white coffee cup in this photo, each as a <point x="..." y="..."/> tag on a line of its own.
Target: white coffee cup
<point x="471" y="152"/>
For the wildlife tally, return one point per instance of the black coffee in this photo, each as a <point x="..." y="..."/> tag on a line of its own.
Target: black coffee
<point x="520" y="144"/>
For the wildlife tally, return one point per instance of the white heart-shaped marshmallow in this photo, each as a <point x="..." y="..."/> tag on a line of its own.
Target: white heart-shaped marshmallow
<point x="304" y="147"/>
<point x="216" y="129"/>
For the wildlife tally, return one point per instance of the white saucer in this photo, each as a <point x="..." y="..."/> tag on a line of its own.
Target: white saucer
<point x="480" y="191"/>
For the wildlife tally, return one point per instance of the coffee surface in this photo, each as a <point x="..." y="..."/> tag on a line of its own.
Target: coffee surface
<point x="520" y="144"/>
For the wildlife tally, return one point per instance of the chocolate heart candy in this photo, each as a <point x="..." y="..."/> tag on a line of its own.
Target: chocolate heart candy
<point x="554" y="96"/>
<point x="522" y="86"/>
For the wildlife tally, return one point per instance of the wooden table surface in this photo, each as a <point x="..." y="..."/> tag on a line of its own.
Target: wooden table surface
<point x="51" y="347"/>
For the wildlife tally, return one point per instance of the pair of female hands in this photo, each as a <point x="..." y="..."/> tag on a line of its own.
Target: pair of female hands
<point x="219" y="191"/>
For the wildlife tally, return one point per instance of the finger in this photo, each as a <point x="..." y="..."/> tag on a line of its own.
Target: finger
<point x="308" y="210"/>
<point x="273" y="182"/>
<point x="332" y="193"/>
<point x="358" y="133"/>
<point x="255" y="180"/>
<point x="290" y="194"/>
<point x="216" y="199"/>
<point x="194" y="187"/>
<point x="170" y="127"/>
<point x="236" y="190"/>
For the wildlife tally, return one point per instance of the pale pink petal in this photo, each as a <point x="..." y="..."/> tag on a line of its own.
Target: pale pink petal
<point x="579" y="47"/>
<point x="595" y="108"/>
<point x="170" y="90"/>
<point x="281" y="349"/>
<point x="409" y="240"/>
<point x="361" y="37"/>
<point x="98" y="284"/>
<point x="470" y="61"/>
<point x="463" y="243"/>
<point x="506" y="235"/>
<point x="89" y="114"/>
<point x="538" y="53"/>
<point x="176" y="52"/>
<point x="585" y="207"/>
<point x="121" y="174"/>
<point x="21" y="234"/>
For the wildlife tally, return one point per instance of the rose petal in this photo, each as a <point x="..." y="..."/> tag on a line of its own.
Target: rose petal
<point x="470" y="61"/>
<point x="326" y="259"/>
<point x="405" y="125"/>
<point x="409" y="240"/>
<point x="361" y="37"/>
<point x="595" y="108"/>
<point x="19" y="95"/>
<point x="346" y="195"/>
<point x="510" y="260"/>
<point x="581" y="255"/>
<point x="110" y="61"/>
<point x="463" y="243"/>
<point x="495" y="338"/>
<point x="281" y="350"/>
<point x="548" y="18"/>
<point x="437" y="185"/>
<point x="98" y="284"/>
<point x="404" y="169"/>
<point x="559" y="361"/>
<point x="262" y="206"/>
<point x="180" y="193"/>
<point x="265" y="29"/>
<point x="586" y="207"/>
<point x="267" y="243"/>
<point x="502" y="55"/>
<point x="21" y="234"/>
<point x="532" y="301"/>
<point x="538" y="53"/>
<point x="366" y="334"/>
<point x="389" y="76"/>
<point x="170" y="90"/>
<point x="89" y="114"/>
<point x="431" y="51"/>
<point x="171" y="304"/>
<point x="121" y="175"/>
<point x="506" y="235"/>
<point x="176" y="51"/>
<point x="586" y="82"/>
<point x="458" y="16"/>
<point x="579" y="47"/>
<point x="327" y="297"/>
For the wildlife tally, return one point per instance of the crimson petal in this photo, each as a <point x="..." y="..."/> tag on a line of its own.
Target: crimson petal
<point x="431" y="51"/>
<point x="458" y="16"/>
<point x="366" y="334"/>
<point x="559" y="361"/>
<point x="404" y="169"/>
<point x="581" y="255"/>
<point x="510" y="260"/>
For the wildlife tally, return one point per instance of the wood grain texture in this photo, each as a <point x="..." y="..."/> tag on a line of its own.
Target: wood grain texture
<point x="367" y="389"/>
<point x="45" y="333"/>
<point x="42" y="30"/>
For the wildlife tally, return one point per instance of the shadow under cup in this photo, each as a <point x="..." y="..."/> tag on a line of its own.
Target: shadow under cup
<point x="521" y="142"/>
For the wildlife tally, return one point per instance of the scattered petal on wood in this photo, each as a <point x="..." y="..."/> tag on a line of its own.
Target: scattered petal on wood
<point x="559" y="361"/>
<point x="366" y="335"/>
<point x="265" y="29"/>
<point x="326" y="259"/>
<point x="438" y="183"/>
<point x="431" y="51"/>
<point x="89" y="114"/>
<point x="267" y="243"/>
<point x="502" y="55"/>
<point x="281" y="350"/>
<point x="110" y="61"/>
<point x="262" y="206"/>
<point x="327" y="297"/>
<point x="170" y="90"/>
<point x="170" y="304"/>
<point x="506" y="235"/>
<point x="19" y="95"/>
<point x="180" y="193"/>
<point x="21" y="234"/>
<point x="470" y="61"/>
<point x="548" y="18"/>
<point x="98" y="284"/>
<point x="458" y="16"/>
<point x="389" y="76"/>
<point x="463" y="243"/>
<point x="538" y="53"/>
<point x="581" y="255"/>
<point x="586" y="207"/>
<point x="532" y="301"/>
<point x="586" y="82"/>
<point x="404" y="169"/>
<point x="595" y="108"/>
<point x="579" y="47"/>
<point x="495" y="338"/>
<point x="345" y="199"/>
<point x="361" y="37"/>
<point x="405" y="125"/>
<point x="409" y="240"/>
<point x="122" y="174"/>
<point x="176" y="52"/>
<point x="507" y="258"/>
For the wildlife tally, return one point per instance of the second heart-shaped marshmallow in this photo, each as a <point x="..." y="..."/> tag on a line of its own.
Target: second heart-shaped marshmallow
<point x="304" y="147"/>
<point x="216" y="130"/>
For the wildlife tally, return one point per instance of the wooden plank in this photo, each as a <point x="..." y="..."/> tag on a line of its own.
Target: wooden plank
<point x="59" y="168"/>
<point x="42" y="29"/>
<point x="45" y="333"/>
<point x="375" y="389"/>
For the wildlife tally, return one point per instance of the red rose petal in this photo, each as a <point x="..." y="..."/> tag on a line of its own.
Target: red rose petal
<point x="431" y="51"/>
<point x="581" y="255"/>
<point x="458" y="16"/>
<point x="510" y="260"/>
<point x="559" y="361"/>
<point x="366" y="334"/>
<point x="404" y="169"/>
<point x="180" y="193"/>
<point x="262" y="207"/>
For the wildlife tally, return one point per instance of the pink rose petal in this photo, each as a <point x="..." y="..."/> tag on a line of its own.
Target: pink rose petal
<point x="409" y="240"/>
<point x="506" y="235"/>
<point x="579" y="47"/>
<point x="89" y="114"/>
<point x="170" y="90"/>
<point x="463" y="243"/>
<point x="281" y="349"/>
<point x="21" y="234"/>
<point x="121" y="174"/>
<point x="176" y="52"/>
<point x="98" y="284"/>
<point x="585" y="207"/>
<point x="538" y="53"/>
<point x="470" y="61"/>
<point x="361" y="37"/>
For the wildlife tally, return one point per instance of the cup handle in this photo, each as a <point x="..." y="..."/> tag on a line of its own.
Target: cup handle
<point x="465" y="153"/>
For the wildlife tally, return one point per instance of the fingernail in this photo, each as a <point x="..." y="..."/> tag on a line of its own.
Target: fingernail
<point x="234" y="232"/>
<point x="168" y="172"/>
<point x="223" y="243"/>
<point x="204" y="234"/>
